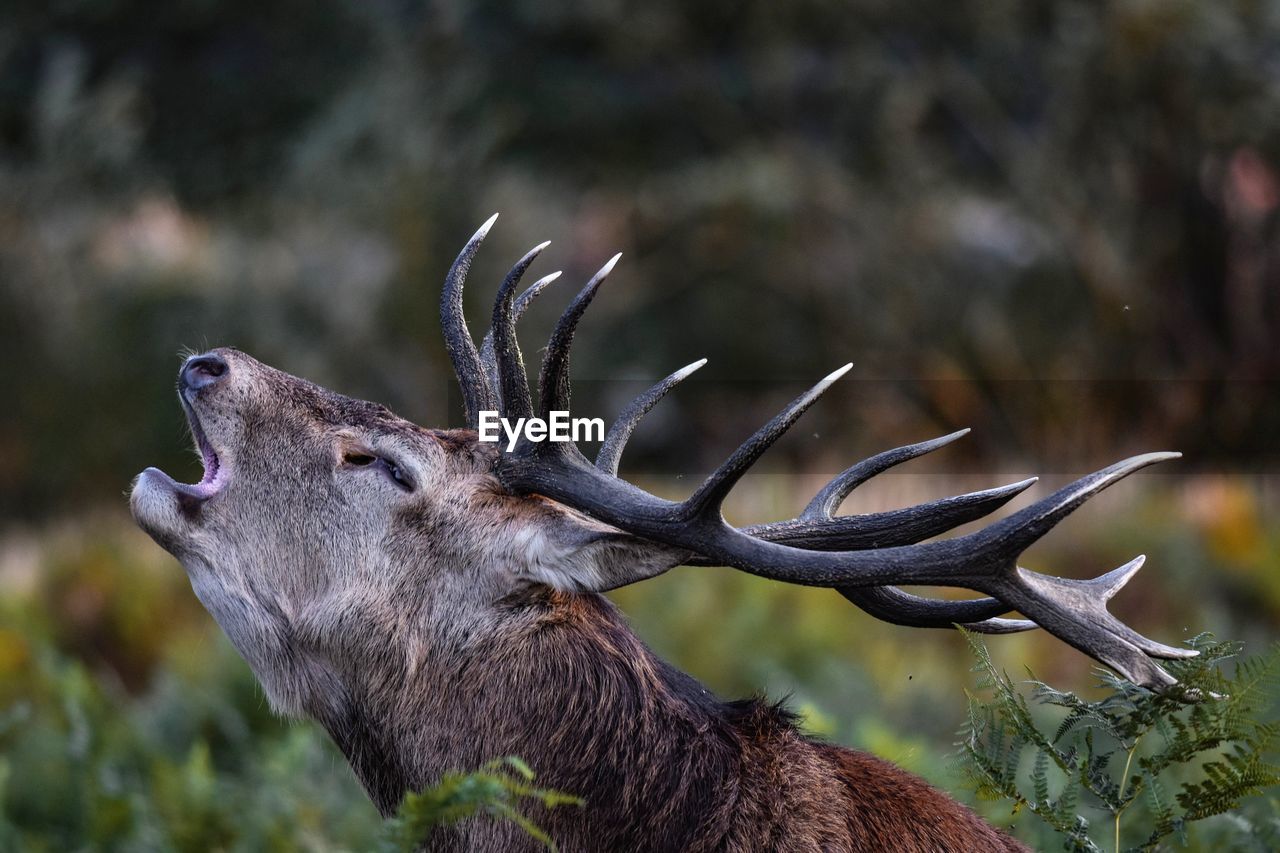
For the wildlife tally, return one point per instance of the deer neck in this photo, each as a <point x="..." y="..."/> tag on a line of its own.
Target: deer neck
<point x="570" y="689"/>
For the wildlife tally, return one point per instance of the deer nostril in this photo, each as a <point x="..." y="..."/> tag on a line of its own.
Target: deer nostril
<point x="201" y="371"/>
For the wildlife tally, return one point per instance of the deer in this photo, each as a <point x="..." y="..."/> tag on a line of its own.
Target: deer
<point x="433" y="601"/>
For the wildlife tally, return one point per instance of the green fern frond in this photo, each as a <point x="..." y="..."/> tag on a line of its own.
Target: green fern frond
<point x="1121" y="754"/>
<point x="1040" y="777"/>
<point x="495" y="790"/>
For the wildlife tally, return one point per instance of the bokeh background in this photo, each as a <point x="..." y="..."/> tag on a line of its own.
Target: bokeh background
<point x="1054" y="223"/>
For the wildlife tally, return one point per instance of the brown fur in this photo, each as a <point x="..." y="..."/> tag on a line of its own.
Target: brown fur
<point x="662" y="764"/>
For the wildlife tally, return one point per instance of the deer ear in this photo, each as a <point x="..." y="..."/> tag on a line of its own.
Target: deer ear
<point x="568" y="551"/>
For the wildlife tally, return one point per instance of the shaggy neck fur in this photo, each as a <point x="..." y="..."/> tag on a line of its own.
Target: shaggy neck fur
<point x="662" y="764"/>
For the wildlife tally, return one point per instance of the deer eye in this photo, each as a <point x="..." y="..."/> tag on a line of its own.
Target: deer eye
<point x="362" y="459"/>
<point x="396" y="474"/>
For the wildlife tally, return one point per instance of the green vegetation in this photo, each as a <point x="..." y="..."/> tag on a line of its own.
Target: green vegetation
<point x="499" y="789"/>
<point x="1151" y="763"/>
<point x="188" y="768"/>
<point x="189" y="765"/>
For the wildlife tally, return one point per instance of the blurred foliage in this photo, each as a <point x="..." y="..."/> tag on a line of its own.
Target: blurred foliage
<point x="1055" y="223"/>
<point x="193" y="763"/>
<point x="130" y="723"/>
<point x="1200" y="750"/>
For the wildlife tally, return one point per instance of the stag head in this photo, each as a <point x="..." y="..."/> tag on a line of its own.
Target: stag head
<point x="327" y="532"/>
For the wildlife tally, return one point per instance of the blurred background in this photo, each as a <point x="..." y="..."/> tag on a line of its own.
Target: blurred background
<point x="1053" y="223"/>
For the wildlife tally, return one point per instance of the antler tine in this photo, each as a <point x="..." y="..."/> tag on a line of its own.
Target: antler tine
<point x="476" y="393"/>
<point x="818" y="528"/>
<point x="827" y="501"/>
<point x="1075" y="611"/>
<point x="1014" y="534"/>
<point x="512" y="384"/>
<point x="892" y="604"/>
<point x="902" y="608"/>
<point x="888" y="603"/>
<point x="522" y="303"/>
<point x="611" y="449"/>
<point x="711" y="494"/>
<point x="1093" y="594"/>
<point x="904" y="526"/>
<point x="553" y="381"/>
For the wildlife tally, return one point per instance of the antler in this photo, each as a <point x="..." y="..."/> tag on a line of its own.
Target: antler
<point x="477" y="395"/>
<point x="860" y="556"/>
<point x="899" y="527"/>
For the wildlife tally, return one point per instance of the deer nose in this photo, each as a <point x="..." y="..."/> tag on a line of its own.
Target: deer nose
<point x="201" y="371"/>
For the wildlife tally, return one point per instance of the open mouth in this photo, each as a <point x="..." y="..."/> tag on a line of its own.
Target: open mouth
<point x="192" y="495"/>
<point x="210" y="482"/>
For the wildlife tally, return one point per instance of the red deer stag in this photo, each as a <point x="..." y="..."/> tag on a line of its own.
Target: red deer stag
<point x="433" y="601"/>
